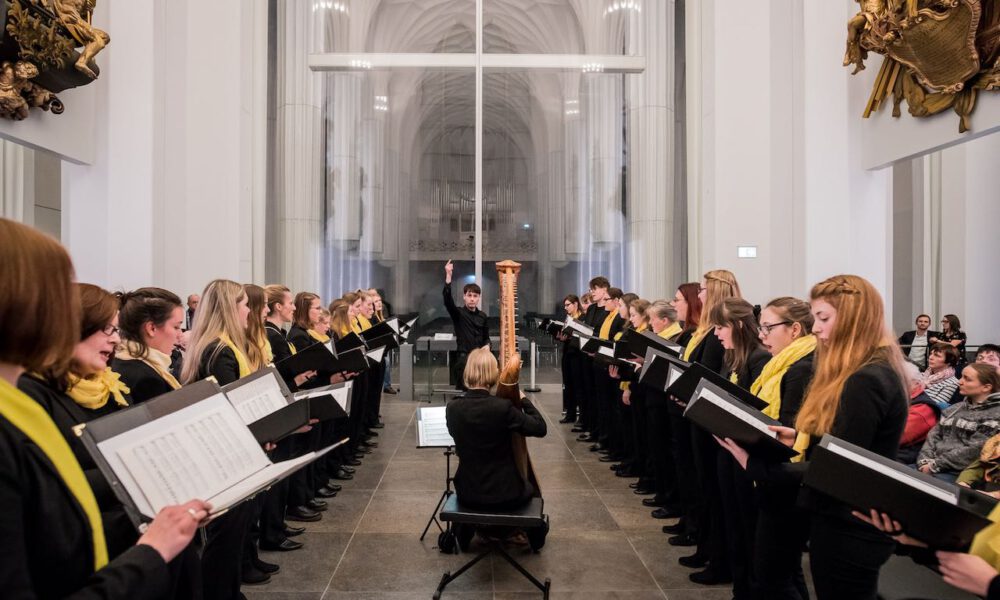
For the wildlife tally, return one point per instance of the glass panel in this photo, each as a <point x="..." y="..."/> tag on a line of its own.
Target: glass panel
<point x="553" y="181"/>
<point x="558" y="26"/>
<point x="424" y="26"/>
<point x="400" y="184"/>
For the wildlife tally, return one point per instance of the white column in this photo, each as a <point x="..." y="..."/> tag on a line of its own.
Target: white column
<point x="298" y="152"/>
<point x="17" y="193"/>
<point x="651" y="154"/>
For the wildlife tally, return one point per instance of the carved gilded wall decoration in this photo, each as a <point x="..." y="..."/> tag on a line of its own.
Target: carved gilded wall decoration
<point x="47" y="46"/>
<point x="937" y="54"/>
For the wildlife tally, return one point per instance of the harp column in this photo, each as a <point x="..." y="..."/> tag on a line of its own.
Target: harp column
<point x="299" y="148"/>
<point x="650" y="210"/>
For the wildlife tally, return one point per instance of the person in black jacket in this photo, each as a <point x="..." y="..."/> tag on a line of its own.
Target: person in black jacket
<point x="150" y="320"/>
<point x="916" y="344"/>
<point x="51" y="538"/>
<point x="605" y="391"/>
<point x="570" y="363"/>
<point x="481" y="424"/>
<point x="471" y="325"/>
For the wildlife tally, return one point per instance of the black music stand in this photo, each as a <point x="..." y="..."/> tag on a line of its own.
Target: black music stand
<point x="432" y="432"/>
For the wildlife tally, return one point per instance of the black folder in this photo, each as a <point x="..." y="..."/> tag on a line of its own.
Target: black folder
<point x="348" y="342"/>
<point x="716" y="411"/>
<point x="323" y="404"/>
<point x="319" y="358"/>
<point x="634" y="344"/>
<point x="280" y="423"/>
<point x="685" y="386"/>
<point x="387" y="341"/>
<point x="592" y="344"/>
<point x="378" y="330"/>
<point x="351" y="361"/>
<point x="943" y="515"/>
<point x="656" y="367"/>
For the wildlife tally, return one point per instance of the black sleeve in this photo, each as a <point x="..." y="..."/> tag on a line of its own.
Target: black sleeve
<point x="783" y="474"/>
<point x="793" y="391"/>
<point x="756" y="362"/>
<point x="135" y="573"/>
<point x="527" y="422"/>
<point x="223" y="367"/>
<point x="485" y="339"/>
<point x="449" y="303"/>
<point x="993" y="592"/>
<point x="714" y="355"/>
<point x="147" y="388"/>
<point x="861" y="410"/>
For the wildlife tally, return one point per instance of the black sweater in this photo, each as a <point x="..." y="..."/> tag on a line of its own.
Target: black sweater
<point x="221" y="365"/>
<point x="143" y="382"/>
<point x="471" y="326"/>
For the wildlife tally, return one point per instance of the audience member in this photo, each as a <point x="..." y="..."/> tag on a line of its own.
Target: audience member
<point x="989" y="354"/>
<point x="951" y="333"/>
<point x="957" y="439"/>
<point x="192" y="305"/>
<point x="923" y="416"/>
<point x="939" y="379"/>
<point x="916" y="343"/>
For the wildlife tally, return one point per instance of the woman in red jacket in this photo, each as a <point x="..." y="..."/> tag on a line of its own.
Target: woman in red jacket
<point x="922" y="417"/>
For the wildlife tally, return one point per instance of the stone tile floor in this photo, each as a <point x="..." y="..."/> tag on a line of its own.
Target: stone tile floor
<point x="603" y="544"/>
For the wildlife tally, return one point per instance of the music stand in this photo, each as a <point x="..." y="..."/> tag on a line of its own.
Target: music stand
<point x="432" y="432"/>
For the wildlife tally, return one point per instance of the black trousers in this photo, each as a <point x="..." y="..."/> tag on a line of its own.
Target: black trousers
<point x="222" y="560"/>
<point x="274" y="500"/>
<point x="711" y="521"/>
<point x="570" y="381"/>
<point x="456" y="373"/>
<point x="640" y="449"/>
<point x="687" y="474"/>
<point x="661" y="453"/>
<point x="588" y="395"/>
<point x="374" y="404"/>
<point x="300" y="484"/>
<point x="845" y="558"/>
<point x="780" y="538"/>
<point x="739" y="504"/>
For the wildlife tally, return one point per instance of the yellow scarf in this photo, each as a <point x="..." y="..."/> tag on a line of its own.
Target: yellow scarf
<point x="241" y="358"/>
<point x="986" y="544"/>
<point x="767" y="387"/>
<point x="157" y="360"/>
<point x="93" y="392"/>
<point x="671" y="331"/>
<point x="28" y="416"/>
<point x="696" y="339"/>
<point x="605" y="330"/>
<point x="319" y="337"/>
<point x="265" y="349"/>
<point x="356" y="326"/>
<point x="364" y="323"/>
<point x="575" y="315"/>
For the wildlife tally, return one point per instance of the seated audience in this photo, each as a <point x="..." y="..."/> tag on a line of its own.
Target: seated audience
<point x="984" y="473"/>
<point x="923" y="416"/>
<point x="916" y="343"/>
<point x="989" y="354"/>
<point x="951" y="333"/>
<point x="939" y="379"/>
<point x="957" y="439"/>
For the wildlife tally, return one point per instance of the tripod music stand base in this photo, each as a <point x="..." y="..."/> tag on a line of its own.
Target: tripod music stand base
<point x="495" y="547"/>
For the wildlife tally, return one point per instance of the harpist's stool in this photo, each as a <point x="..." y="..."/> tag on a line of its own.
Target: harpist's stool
<point x="528" y="517"/>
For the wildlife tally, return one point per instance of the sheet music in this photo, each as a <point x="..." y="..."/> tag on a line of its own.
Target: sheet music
<point x="577" y="326"/>
<point x="263" y="478"/>
<point x="443" y="337"/>
<point x="343" y="396"/>
<point x="196" y="452"/>
<point x="606" y="351"/>
<point x="913" y="482"/>
<point x="729" y="407"/>
<point x="256" y="399"/>
<point x="432" y="427"/>
<point x="376" y="355"/>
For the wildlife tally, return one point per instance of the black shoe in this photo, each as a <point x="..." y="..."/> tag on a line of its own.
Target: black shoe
<point x="362" y="451"/>
<point x="303" y="514"/>
<point x="342" y="475"/>
<point x="607" y="458"/>
<point x="351" y="462"/>
<point x="654" y="502"/>
<point x="666" y="512"/>
<point x="682" y="540"/>
<point x="350" y="470"/>
<point x="710" y="577"/>
<point x="285" y="545"/>
<point x="369" y="444"/>
<point x="693" y="561"/>
<point x="640" y="491"/>
<point x="625" y="473"/>
<point x="577" y="429"/>
<point x="389" y="390"/>
<point x="265" y="567"/>
<point x="293" y="531"/>
<point x="565" y="420"/>
<point x="317" y="504"/>
<point x="595" y="448"/>
<point x="325" y="492"/>
<point x="378" y="426"/>
<point x="336" y="486"/>
<point x="635" y="484"/>
<point x="676" y="529"/>
<point x="254" y="577"/>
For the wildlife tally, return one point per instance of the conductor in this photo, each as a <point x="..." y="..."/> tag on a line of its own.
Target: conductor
<point x="471" y="327"/>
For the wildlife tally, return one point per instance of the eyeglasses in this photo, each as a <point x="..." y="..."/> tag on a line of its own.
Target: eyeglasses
<point x="766" y="329"/>
<point x="110" y="330"/>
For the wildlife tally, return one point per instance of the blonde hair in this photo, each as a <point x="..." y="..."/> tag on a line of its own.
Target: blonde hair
<point x="218" y="316"/>
<point x="481" y="370"/>
<point x="719" y="285"/>
<point x="641" y="307"/>
<point x="340" y="320"/>
<point x="275" y="293"/>
<point x="256" y="301"/>
<point x="859" y="337"/>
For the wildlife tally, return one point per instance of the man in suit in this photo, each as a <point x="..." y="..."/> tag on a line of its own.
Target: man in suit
<point x="192" y="303"/>
<point x="915" y="343"/>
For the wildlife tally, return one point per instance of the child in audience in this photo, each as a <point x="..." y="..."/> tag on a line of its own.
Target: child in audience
<point x="958" y="438"/>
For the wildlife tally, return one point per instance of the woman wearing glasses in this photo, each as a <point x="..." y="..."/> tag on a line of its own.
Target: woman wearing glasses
<point x="570" y="363"/>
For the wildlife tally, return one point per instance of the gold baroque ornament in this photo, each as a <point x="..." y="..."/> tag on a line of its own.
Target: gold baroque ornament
<point x="39" y="56"/>
<point x="938" y="54"/>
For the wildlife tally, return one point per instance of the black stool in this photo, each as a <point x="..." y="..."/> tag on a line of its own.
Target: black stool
<point x="527" y="517"/>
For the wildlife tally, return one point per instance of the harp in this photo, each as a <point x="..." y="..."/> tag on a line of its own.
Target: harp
<point x="510" y="362"/>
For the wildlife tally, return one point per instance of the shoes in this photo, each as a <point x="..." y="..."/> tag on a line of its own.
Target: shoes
<point x="362" y="451"/>
<point x="587" y="438"/>
<point x="316" y="504"/>
<point x="675" y="529"/>
<point x="641" y="491"/>
<point x="303" y="514"/>
<point x="378" y="425"/>
<point x="389" y="390"/>
<point x="710" y="577"/>
<point x="253" y="576"/>
<point x="682" y="540"/>
<point x="565" y="420"/>
<point x="350" y="470"/>
<point x="293" y="531"/>
<point x="351" y="462"/>
<point x="265" y="567"/>
<point x="369" y="444"/>
<point x="325" y="492"/>
<point x="635" y="484"/>
<point x="693" y="561"/>
<point x="285" y="545"/>
<point x="577" y="429"/>
<point x="336" y="487"/>
<point x="654" y="502"/>
<point x="625" y="473"/>
<point x="342" y="475"/>
<point x="607" y="458"/>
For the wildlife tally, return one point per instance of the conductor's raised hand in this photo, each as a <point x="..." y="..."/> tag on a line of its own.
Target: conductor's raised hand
<point x="448" y="270"/>
<point x="174" y="526"/>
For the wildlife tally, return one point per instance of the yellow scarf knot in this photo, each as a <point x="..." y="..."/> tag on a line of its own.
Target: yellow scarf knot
<point x="767" y="387"/>
<point x="93" y="392"/>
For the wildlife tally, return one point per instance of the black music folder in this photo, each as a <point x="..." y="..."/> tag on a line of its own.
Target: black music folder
<point x="634" y="344"/>
<point x="189" y="443"/>
<point x="266" y="407"/>
<point x="660" y="369"/>
<point x="319" y="358"/>
<point x="329" y="402"/>
<point x="348" y="342"/>
<point x="592" y="344"/>
<point x="387" y="341"/>
<point x="943" y="515"/>
<point x="716" y="411"/>
<point x="684" y="386"/>
<point x="380" y="329"/>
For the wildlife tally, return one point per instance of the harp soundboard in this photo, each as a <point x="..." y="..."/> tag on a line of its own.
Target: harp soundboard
<point x="507" y="273"/>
